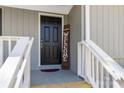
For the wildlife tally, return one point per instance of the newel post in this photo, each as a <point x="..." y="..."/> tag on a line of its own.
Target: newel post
<point x="87" y="22"/>
<point x="1" y="52"/>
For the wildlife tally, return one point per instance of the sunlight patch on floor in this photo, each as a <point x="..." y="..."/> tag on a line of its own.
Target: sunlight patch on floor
<point x="79" y="84"/>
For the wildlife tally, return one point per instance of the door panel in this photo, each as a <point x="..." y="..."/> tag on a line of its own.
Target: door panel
<point x="50" y="40"/>
<point x="46" y="33"/>
<point x="55" y="34"/>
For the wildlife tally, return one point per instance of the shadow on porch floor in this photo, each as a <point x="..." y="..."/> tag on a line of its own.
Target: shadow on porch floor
<point x="59" y="79"/>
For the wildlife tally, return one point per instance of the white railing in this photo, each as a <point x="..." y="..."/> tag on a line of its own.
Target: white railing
<point x="15" y="71"/>
<point x="98" y="68"/>
<point x="6" y="46"/>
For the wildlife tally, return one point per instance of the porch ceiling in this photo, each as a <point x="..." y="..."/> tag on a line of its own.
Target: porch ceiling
<point x="61" y="9"/>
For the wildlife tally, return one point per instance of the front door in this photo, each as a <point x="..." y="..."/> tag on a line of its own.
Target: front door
<point x="50" y="41"/>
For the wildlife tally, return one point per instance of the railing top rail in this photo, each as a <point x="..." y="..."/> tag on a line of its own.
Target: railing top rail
<point x="17" y="84"/>
<point x="111" y="65"/>
<point x="11" y="37"/>
<point x="12" y="63"/>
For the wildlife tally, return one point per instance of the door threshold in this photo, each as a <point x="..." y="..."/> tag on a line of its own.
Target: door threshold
<point x="50" y="67"/>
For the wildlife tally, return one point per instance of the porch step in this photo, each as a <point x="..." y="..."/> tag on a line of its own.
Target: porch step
<point x="78" y="84"/>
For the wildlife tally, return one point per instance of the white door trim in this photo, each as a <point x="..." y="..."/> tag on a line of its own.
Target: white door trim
<point x="87" y="22"/>
<point x="52" y="15"/>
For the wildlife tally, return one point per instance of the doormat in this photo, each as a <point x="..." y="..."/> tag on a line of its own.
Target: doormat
<point x="49" y="70"/>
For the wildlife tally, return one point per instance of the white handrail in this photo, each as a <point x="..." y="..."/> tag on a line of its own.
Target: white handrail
<point x="112" y="65"/>
<point x="9" y="38"/>
<point x="14" y="63"/>
<point x="96" y="65"/>
<point x="23" y="67"/>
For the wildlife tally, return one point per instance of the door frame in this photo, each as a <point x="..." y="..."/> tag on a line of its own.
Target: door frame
<point x="39" y="54"/>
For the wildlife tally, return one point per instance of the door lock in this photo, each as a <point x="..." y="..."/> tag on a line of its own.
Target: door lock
<point x="41" y="43"/>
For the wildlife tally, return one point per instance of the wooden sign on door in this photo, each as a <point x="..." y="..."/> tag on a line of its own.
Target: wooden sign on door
<point x="66" y="48"/>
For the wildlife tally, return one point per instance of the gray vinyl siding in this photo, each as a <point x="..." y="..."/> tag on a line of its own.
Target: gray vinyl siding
<point x="22" y="22"/>
<point x="107" y="28"/>
<point x="75" y="34"/>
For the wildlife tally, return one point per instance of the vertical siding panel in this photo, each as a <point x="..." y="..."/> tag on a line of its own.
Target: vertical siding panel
<point x="120" y="31"/>
<point x="94" y="23"/>
<point x="36" y="47"/>
<point x="91" y="23"/>
<point x="115" y="30"/>
<point x="32" y="34"/>
<point x="26" y="27"/>
<point x="99" y="28"/>
<point x="75" y="35"/>
<point x="14" y="21"/>
<point x="20" y="22"/>
<point x="31" y="23"/>
<point x="111" y="37"/>
<point x="105" y="28"/>
<point x="123" y="32"/>
<point x="7" y="21"/>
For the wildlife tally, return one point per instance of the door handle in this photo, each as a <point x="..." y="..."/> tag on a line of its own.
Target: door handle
<point x="41" y="43"/>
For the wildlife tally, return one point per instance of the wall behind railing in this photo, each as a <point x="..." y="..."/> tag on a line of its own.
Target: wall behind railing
<point x="120" y="61"/>
<point x="20" y="22"/>
<point x="107" y="28"/>
<point x="75" y="35"/>
<point x="6" y="49"/>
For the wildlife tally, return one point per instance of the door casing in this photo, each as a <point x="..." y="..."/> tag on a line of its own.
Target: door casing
<point x="39" y="54"/>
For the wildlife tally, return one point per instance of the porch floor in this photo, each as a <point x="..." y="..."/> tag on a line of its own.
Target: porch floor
<point x="61" y="79"/>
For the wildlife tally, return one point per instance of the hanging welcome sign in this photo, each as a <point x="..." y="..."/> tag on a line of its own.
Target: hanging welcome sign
<point x="66" y="48"/>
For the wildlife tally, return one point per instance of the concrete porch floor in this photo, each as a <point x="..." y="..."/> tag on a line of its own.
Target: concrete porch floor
<point x="59" y="78"/>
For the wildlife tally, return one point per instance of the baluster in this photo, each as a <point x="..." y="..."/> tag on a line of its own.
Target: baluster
<point x="79" y="59"/>
<point x="107" y="80"/>
<point x="97" y="73"/>
<point x="93" y="74"/>
<point x="88" y="63"/>
<point x="83" y="60"/>
<point x="9" y="46"/>
<point x="1" y="52"/>
<point x="102" y="77"/>
<point x="91" y="64"/>
<point x="28" y="66"/>
<point x="26" y="75"/>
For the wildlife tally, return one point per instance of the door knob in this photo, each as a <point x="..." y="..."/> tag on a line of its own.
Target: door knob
<point x="41" y="43"/>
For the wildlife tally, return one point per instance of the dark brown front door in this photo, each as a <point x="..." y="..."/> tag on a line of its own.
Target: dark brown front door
<point x="50" y="40"/>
